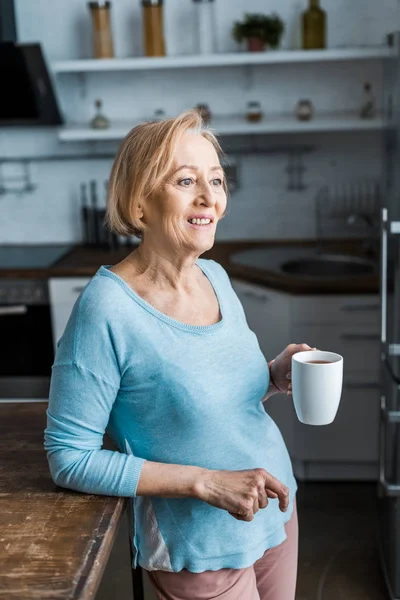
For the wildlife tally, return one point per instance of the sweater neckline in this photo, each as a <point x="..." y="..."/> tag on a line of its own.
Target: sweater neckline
<point x="200" y="329"/>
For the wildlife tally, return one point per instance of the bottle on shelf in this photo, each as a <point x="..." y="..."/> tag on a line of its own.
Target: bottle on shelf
<point x="99" y="121"/>
<point x="368" y="105"/>
<point x="314" y="26"/>
<point x="153" y="23"/>
<point x="294" y="31"/>
<point x="205" y="18"/>
<point x="102" y="35"/>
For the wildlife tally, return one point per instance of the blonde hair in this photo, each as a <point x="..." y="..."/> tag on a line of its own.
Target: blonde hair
<point x="141" y="165"/>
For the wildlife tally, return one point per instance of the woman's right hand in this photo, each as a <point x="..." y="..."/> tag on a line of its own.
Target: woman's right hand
<point x="241" y="493"/>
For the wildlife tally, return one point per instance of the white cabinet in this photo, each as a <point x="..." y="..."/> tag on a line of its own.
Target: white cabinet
<point x="358" y="344"/>
<point x="336" y="309"/>
<point x="353" y="437"/>
<point x="64" y="291"/>
<point x="349" y="325"/>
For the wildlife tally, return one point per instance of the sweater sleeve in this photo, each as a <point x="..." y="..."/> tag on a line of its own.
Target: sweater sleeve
<point x="80" y="403"/>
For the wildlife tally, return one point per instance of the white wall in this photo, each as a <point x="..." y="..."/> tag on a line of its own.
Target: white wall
<point x="262" y="207"/>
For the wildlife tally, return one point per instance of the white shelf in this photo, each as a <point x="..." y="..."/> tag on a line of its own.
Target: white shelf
<point x="236" y="125"/>
<point x="221" y="60"/>
<point x="83" y="133"/>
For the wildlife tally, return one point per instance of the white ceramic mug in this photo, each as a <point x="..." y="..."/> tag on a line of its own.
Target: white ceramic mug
<point x="316" y="387"/>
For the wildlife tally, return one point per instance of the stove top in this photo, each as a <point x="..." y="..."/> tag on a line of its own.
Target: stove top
<point x="26" y="256"/>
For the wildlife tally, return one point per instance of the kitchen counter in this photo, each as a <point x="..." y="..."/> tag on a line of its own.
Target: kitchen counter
<point x="83" y="261"/>
<point x="54" y="543"/>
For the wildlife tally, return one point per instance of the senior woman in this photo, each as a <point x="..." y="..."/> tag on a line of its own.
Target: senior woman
<point x="158" y="353"/>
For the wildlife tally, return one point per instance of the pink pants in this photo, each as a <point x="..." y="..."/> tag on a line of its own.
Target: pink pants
<point x="272" y="577"/>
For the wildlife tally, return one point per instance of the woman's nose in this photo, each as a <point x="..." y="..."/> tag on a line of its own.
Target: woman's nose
<point x="206" y="195"/>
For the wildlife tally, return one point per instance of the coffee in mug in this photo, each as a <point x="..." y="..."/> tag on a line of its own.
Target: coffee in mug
<point x="318" y="362"/>
<point x="317" y="378"/>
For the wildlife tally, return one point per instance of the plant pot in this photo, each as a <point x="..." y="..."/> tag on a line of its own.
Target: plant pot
<point x="255" y="44"/>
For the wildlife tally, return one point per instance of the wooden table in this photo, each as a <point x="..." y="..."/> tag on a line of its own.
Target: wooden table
<point x="54" y="543"/>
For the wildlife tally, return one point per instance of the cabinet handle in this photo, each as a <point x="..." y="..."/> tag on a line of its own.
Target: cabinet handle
<point x="369" y="385"/>
<point x="259" y="297"/>
<point x="383" y="281"/>
<point x="355" y="307"/>
<point x="386" y="488"/>
<point x="78" y="289"/>
<point x="360" y="336"/>
<point x="20" y="309"/>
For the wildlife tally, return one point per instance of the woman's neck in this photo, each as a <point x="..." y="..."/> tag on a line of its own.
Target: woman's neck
<point x="164" y="269"/>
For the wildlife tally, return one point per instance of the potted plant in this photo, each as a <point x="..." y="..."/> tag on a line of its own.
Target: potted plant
<point x="259" y="30"/>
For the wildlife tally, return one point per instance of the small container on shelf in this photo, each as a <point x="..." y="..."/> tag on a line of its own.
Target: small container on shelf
<point x="102" y="41"/>
<point x="205" y="113"/>
<point x="254" y="113"/>
<point x="304" y="110"/>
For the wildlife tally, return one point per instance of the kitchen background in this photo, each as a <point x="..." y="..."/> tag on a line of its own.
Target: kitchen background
<point x="298" y="186"/>
<point x="262" y="206"/>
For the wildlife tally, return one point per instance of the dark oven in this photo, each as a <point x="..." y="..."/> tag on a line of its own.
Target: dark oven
<point x="26" y="351"/>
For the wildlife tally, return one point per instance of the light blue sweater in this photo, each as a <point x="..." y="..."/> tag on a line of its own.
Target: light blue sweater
<point x="168" y="392"/>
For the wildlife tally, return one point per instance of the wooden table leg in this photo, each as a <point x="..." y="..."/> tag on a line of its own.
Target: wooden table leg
<point x="137" y="579"/>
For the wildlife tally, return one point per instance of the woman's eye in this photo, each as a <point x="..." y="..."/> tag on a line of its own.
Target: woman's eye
<point x="219" y="181"/>
<point x="186" y="182"/>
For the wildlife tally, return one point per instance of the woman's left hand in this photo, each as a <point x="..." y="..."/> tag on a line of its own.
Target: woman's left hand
<point x="281" y="368"/>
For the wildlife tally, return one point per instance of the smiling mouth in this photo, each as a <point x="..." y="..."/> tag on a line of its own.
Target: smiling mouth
<point x="200" y="222"/>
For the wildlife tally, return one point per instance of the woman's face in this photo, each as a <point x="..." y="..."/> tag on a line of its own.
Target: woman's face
<point x="192" y="190"/>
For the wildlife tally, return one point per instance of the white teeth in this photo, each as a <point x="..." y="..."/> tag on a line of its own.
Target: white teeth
<point x="200" y="221"/>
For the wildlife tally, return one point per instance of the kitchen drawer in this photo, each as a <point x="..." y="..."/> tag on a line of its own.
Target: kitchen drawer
<point x="341" y="309"/>
<point x="66" y="290"/>
<point x="354" y="434"/>
<point x="358" y="344"/>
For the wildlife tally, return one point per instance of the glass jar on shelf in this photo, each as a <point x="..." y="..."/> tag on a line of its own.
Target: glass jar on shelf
<point x="254" y="112"/>
<point x="153" y="27"/>
<point x="102" y="34"/>
<point x="304" y="110"/>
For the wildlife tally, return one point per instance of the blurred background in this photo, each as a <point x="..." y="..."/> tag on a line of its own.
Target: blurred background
<point x="304" y="96"/>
